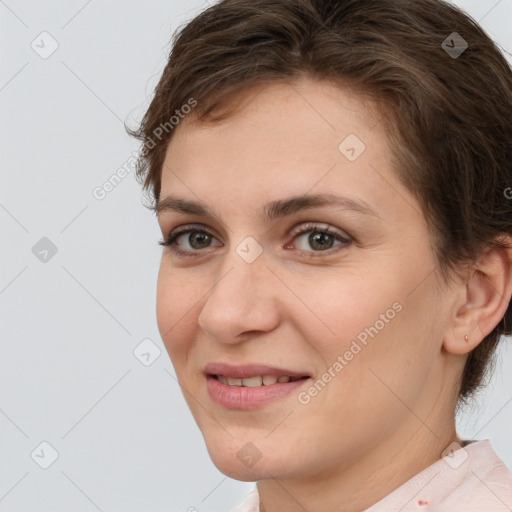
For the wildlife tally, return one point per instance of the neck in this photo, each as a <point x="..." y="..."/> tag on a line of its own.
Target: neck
<point x="357" y="485"/>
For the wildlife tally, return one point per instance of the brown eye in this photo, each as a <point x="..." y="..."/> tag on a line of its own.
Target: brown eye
<point x="320" y="238"/>
<point x="193" y="239"/>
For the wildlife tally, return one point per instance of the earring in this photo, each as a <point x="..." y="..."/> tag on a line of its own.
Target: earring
<point x="466" y="338"/>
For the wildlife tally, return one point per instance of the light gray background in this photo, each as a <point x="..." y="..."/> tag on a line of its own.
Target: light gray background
<point x="124" y="436"/>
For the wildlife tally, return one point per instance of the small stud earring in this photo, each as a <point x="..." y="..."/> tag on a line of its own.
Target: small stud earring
<point x="466" y="338"/>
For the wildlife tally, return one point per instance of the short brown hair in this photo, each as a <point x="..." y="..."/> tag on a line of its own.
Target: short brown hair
<point x="449" y="114"/>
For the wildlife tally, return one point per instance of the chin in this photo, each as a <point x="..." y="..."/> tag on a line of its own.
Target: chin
<point x="246" y="460"/>
<point x="243" y="475"/>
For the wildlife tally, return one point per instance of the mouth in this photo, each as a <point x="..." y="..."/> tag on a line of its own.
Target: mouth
<point x="250" y="386"/>
<point x="257" y="381"/>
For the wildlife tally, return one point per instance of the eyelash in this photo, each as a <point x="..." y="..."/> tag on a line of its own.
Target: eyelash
<point x="170" y="241"/>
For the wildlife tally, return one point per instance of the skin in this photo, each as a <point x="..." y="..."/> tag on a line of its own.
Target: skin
<point x="389" y="413"/>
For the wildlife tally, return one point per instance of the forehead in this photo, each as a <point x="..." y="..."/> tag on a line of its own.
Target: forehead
<point x="293" y="138"/>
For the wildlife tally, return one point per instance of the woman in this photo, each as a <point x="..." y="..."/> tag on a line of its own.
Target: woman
<point x="330" y="179"/>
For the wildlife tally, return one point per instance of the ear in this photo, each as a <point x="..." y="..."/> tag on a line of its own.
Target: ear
<point x="483" y="300"/>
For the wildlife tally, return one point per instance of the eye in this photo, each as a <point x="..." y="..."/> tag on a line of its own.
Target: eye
<point x="198" y="238"/>
<point x="321" y="239"/>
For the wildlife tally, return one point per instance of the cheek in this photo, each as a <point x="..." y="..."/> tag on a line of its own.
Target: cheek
<point x="174" y="310"/>
<point x="347" y="309"/>
<point x="165" y="304"/>
<point x="364" y="328"/>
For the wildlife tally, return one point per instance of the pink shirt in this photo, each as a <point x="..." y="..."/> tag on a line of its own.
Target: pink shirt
<point x="469" y="479"/>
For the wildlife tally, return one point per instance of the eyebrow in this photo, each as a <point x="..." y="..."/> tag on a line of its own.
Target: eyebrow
<point x="273" y="210"/>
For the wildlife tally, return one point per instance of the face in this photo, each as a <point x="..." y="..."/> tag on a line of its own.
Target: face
<point x="339" y="296"/>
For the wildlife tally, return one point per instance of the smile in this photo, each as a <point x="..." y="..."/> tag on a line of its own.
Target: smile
<point x="252" y="382"/>
<point x="251" y="392"/>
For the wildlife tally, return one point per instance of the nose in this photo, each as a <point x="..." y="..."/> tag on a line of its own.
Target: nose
<point x="242" y="302"/>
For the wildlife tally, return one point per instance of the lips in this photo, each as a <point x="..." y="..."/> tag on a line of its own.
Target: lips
<point x="250" y="386"/>
<point x="248" y="371"/>
<point x="259" y="380"/>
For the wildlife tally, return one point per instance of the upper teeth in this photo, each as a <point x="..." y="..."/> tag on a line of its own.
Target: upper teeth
<point x="251" y="382"/>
